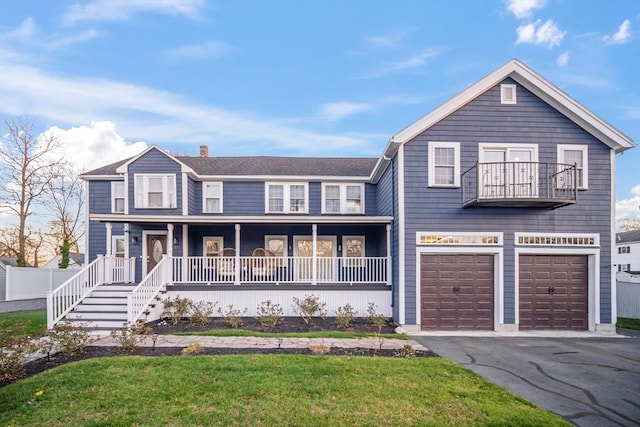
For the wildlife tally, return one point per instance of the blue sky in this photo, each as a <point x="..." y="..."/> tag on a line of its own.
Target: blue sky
<point x="299" y="78"/>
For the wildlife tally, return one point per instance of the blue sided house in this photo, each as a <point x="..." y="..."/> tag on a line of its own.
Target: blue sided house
<point x="493" y="212"/>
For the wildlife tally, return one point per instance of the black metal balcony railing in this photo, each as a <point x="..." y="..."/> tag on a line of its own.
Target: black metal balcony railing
<point x="520" y="184"/>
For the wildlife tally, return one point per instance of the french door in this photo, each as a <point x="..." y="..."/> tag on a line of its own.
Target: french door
<point x="325" y="258"/>
<point x="509" y="172"/>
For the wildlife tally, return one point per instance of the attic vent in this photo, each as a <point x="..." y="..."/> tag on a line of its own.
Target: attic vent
<point x="507" y="94"/>
<point x="204" y="151"/>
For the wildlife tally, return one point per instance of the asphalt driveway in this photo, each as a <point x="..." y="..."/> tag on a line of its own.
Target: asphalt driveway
<point x="588" y="381"/>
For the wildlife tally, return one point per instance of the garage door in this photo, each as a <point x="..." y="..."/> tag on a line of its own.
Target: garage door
<point x="554" y="292"/>
<point x="456" y="291"/>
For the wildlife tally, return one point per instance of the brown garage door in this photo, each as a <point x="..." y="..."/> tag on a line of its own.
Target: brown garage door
<point x="456" y="291"/>
<point x="554" y="292"/>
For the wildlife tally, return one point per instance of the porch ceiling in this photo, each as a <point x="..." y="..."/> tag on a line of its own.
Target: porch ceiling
<point x="266" y="219"/>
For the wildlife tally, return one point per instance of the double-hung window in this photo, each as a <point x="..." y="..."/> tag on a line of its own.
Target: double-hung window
<point x="444" y="164"/>
<point x="342" y="198"/>
<point x="212" y="197"/>
<point x="575" y="155"/>
<point x="155" y="191"/>
<point x="286" y="197"/>
<point x="117" y="197"/>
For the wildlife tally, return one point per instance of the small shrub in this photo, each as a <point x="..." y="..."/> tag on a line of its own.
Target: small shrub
<point x="176" y="309"/>
<point x="200" y="313"/>
<point x="309" y="306"/>
<point x="232" y="317"/>
<point x="70" y="337"/>
<point x="15" y="348"/>
<point x="270" y="314"/>
<point x="406" y="351"/>
<point x="345" y="315"/>
<point x="375" y="319"/>
<point x="130" y="335"/>
<point x="194" y="348"/>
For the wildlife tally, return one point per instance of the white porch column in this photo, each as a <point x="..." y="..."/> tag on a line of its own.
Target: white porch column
<point x="389" y="263"/>
<point x="170" y="240"/>
<point x="314" y="264"/>
<point x="109" y="227"/>
<point x="237" y="263"/>
<point x="108" y="268"/>
<point x="185" y="240"/>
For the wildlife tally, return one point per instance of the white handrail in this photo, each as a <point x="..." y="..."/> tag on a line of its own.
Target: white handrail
<point x="147" y="290"/>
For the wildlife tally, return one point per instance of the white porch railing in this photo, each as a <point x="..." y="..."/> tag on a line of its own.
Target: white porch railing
<point x="102" y="270"/>
<point x="147" y="290"/>
<point x="247" y="269"/>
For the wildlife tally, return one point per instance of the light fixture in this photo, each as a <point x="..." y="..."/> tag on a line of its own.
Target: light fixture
<point x="134" y="240"/>
<point x="49" y="347"/>
<point x="175" y="242"/>
<point x="154" y="338"/>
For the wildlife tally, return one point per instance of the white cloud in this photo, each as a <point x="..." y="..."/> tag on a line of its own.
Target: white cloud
<point x="389" y="40"/>
<point x="339" y="110"/>
<point x="200" y="51"/>
<point x="25" y="30"/>
<point x="563" y="59"/>
<point x="621" y="36"/>
<point x="144" y="113"/>
<point x="28" y="34"/>
<point x="416" y="61"/>
<point x="547" y="33"/>
<point x="523" y="8"/>
<point x="120" y="10"/>
<point x="630" y="207"/>
<point x="93" y="146"/>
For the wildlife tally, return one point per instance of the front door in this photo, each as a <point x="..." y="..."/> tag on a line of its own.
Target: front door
<point x="325" y="258"/>
<point x="156" y="247"/>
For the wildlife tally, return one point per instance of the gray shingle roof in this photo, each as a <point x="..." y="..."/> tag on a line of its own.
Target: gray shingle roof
<point x="267" y="166"/>
<point x="628" y="237"/>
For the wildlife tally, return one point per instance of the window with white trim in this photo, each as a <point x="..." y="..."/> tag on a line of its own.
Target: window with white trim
<point x="444" y="164"/>
<point x="286" y="197"/>
<point x="507" y="94"/>
<point x="212" y="197"/>
<point x="624" y="267"/>
<point x="118" y="246"/>
<point x="353" y="250"/>
<point x="155" y="191"/>
<point x="577" y="155"/>
<point x="624" y="249"/>
<point x="556" y="239"/>
<point x="117" y="197"/>
<point x="342" y="198"/>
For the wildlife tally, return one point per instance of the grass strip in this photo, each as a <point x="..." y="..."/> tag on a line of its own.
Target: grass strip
<point x="627" y="323"/>
<point x="264" y="390"/>
<point x="37" y="320"/>
<point x="311" y="334"/>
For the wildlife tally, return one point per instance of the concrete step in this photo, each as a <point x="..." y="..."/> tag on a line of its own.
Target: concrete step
<point x="102" y="324"/>
<point x="105" y="293"/>
<point x="101" y="308"/>
<point x="105" y="300"/>
<point x="91" y="316"/>
<point x="126" y="288"/>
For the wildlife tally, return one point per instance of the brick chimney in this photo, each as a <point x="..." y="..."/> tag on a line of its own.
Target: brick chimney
<point x="204" y="151"/>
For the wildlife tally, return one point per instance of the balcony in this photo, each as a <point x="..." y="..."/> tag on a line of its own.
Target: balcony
<point x="520" y="184"/>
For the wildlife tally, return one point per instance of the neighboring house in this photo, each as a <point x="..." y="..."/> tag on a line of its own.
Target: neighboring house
<point x="4" y="262"/>
<point x="76" y="261"/>
<point x="492" y="212"/>
<point x="627" y="255"/>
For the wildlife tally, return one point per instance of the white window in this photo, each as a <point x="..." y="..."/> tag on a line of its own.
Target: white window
<point x="117" y="197"/>
<point x="277" y="245"/>
<point x="212" y="197"/>
<point x="624" y="249"/>
<point x="286" y="197"/>
<point x="508" y="170"/>
<point x="118" y="246"/>
<point x="212" y="246"/>
<point x="342" y="198"/>
<point x="577" y="155"/>
<point x="353" y="250"/>
<point x="624" y="267"/>
<point x="507" y="94"/>
<point x="155" y="191"/>
<point x="444" y="164"/>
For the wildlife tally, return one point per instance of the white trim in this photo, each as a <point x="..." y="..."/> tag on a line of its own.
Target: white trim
<point x="343" y="198"/>
<point x="185" y="240"/>
<point x="432" y="165"/>
<point x="459" y="238"/>
<point x="185" y="193"/>
<point x="145" y="250"/>
<point x="585" y="160"/>
<point x="286" y="197"/>
<point x="218" y="239"/>
<point x="263" y="219"/>
<point x="114" y="245"/>
<point x="353" y="261"/>
<point x="482" y="146"/>
<point x="285" y="244"/>
<point x="86" y="222"/>
<point x="498" y="277"/>
<point x="614" y="283"/>
<point x="169" y="195"/>
<point x="401" y="239"/>
<point x="115" y="184"/>
<point x="126" y="194"/>
<point x="557" y="239"/>
<point x="504" y="92"/>
<point x="594" y="277"/>
<point x="125" y="166"/>
<point x="204" y="200"/>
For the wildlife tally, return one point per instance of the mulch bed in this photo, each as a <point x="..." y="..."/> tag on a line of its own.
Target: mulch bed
<point x="289" y="324"/>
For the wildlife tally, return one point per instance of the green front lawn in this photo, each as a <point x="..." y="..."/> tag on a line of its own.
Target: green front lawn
<point x="37" y="320"/>
<point x="626" y="323"/>
<point x="264" y="390"/>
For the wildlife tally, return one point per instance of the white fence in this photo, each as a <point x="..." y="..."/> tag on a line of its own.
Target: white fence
<point x="628" y="300"/>
<point x="28" y="283"/>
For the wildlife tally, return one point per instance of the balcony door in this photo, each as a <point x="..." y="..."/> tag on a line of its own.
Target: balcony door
<point x="325" y="258"/>
<point x="508" y="172"/>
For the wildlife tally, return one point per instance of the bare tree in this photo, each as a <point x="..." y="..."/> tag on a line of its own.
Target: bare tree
<point x="629" y="224"/>
<point x="34" y="241"/>
<point x="28" y="164"/>
<point x="66" y="203"/>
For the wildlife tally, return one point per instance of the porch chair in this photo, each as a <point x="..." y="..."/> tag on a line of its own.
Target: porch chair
<point x="227" y="265"/>
<point x="261" y="265"/>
